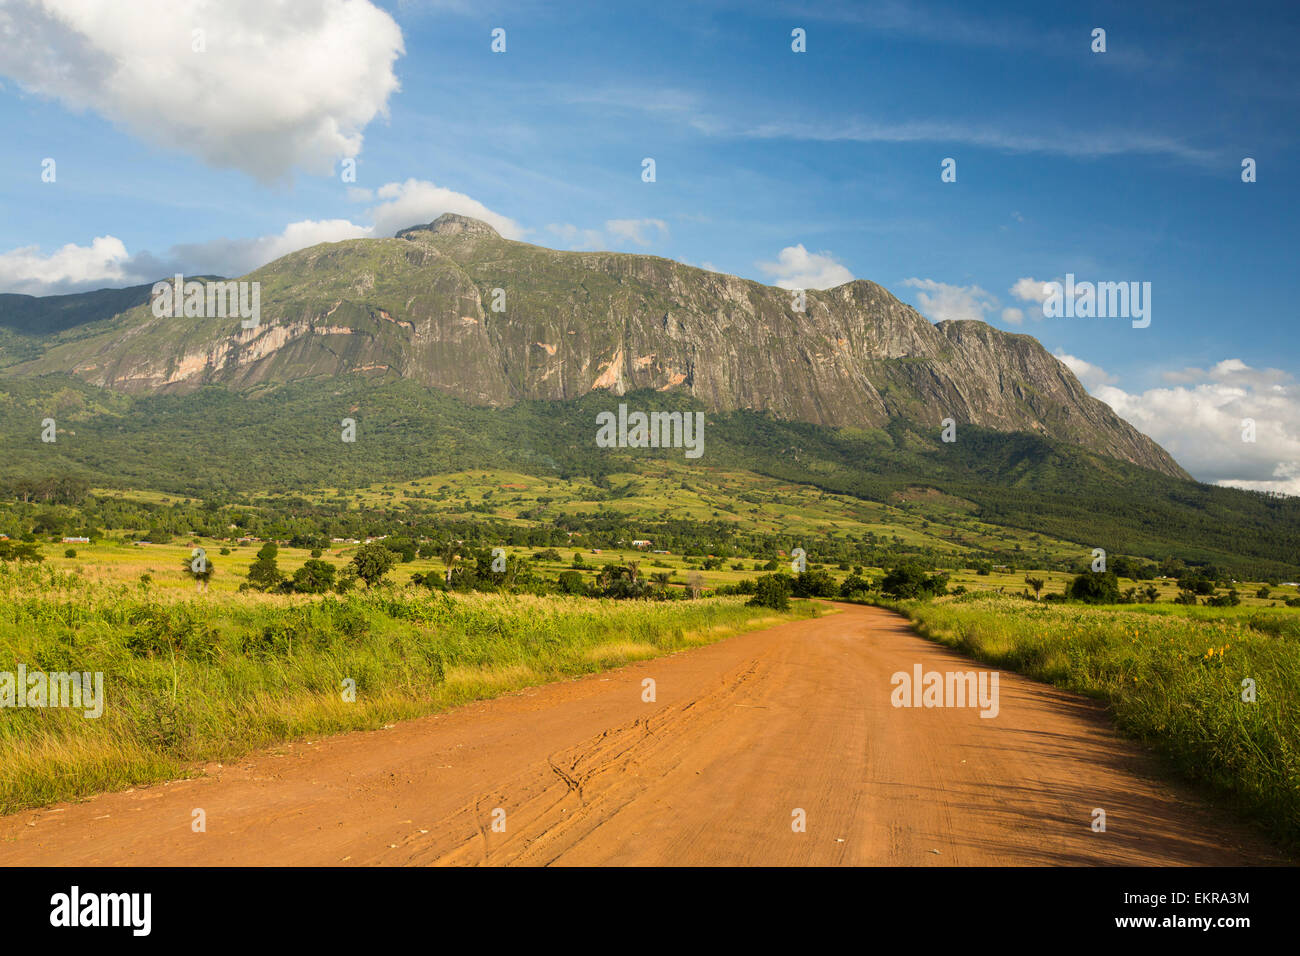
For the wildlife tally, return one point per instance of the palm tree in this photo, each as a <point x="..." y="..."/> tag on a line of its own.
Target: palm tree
<point x="449" y="555"/>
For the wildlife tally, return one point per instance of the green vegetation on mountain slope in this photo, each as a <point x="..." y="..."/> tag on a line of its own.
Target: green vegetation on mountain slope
<point x="287" y="440"/>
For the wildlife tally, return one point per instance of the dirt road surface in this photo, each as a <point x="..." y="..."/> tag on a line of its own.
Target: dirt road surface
<point x="742" y="734"/>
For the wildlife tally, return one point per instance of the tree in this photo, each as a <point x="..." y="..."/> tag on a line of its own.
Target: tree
<point x="1095" y="587"/>
<point x="20" y="552"/>
<point x="449" y="555"/>
<point x="772" y="590"/>
<point x="199" y="567"/>
<point x="263" y="574"/>
<point x="570" y="582"/>
<point x="372" y="562"/>
<point x="854" y="584"/>
<point x="814" y="583"/>
<point x="910" y="580"/>
<point x="314" y="577"/>
<point x="1036" y="584"/>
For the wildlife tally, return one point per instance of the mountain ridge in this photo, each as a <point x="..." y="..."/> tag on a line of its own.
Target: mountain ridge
<point x="423" y="305"/>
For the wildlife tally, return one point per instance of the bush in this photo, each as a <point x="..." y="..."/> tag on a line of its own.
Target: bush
<point x="854" y="584"/>
<point x="772" y="590"/>
<point x="1095" y="587"/>
<point x="814" y="584"/>
<point x="1230" y="599"/>
<point x="910" y="580"/>
<point x="570" y="582"/>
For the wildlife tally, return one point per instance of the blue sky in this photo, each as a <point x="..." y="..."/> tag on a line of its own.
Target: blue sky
<point x="793" y="168"/>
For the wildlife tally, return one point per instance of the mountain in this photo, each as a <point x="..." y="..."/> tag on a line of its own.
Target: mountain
<point x="453" y="306"/>
<point x="47" y="314"/>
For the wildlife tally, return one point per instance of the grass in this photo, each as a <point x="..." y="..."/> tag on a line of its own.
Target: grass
<point x="1173" y="677"/>
<point x="209" y="678"/>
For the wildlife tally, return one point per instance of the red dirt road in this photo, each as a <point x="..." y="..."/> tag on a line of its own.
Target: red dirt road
<point x="742" y="734"/>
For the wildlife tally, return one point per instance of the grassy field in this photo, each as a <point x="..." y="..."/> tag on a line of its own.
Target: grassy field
<point x="109" y="561"/>
<point x="664" y="489"/>
<point x="191" y="678"/>
<point x="1174" y="677"/>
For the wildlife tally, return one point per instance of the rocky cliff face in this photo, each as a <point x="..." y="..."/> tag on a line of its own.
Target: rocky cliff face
<point x="455" y="306"/>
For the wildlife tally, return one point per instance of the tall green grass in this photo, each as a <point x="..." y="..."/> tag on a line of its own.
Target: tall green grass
<point x="197" y="678"/>
<point x="1173" y="677"/>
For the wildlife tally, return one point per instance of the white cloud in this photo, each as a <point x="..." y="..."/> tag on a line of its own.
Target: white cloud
<point x="1030" y="290"/>
<point x="106" y="262"/>
<point x="1092" y="376"/>
<point x="1230" y="371"/>
<point x="1013" y="316"/>
<point x="1201" y="423"/>
<point x="71" y="268"/>
<point x="636" y="230"/>
<point x="417" y="201"/>
<point x="797" y="268"/>
<point x="942" y="302"/>
<point x="278" y="86"/>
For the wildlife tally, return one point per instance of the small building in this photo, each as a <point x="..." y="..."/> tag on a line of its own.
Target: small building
<point x="76" y="540"/>
<point x="640" y="543"/>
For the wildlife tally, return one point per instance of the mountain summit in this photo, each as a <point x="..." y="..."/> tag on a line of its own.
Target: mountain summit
<point x="452" y="224"/>
<point x="454" y="306"/>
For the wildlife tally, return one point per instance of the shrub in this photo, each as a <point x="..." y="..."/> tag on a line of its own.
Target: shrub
<point x="1095" y="587"/>
<point x="814" y="584"/>
<point x="772" y="590"/>
<point x="371" y="563"/>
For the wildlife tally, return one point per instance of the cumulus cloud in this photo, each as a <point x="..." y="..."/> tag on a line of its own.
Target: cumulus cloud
<point x="417" y="201"/>
<point x="1030" y="290"/>
<point x="1203" y="422"/>
<point x="106" y="261"/>
<point x="1092" y="376"/>
<point x="1013" y="316"/>
<point x="797" y="268"/>
<point x="942" y="302"/>
<point x="275" y="87"/>
<point x="71" y="268"/>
